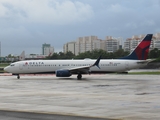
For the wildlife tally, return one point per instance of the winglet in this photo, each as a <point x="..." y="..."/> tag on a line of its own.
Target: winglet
<point x="97" y="62"/>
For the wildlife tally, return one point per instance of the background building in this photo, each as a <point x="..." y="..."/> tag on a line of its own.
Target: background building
<point x="112" y="44"/>
<point x="89" y="43"/>
<point x="156" y="41"/>
<point x="131" y="43"/>
<point x="70" y="46"/>
<point x="82" y="44"/>
<point x="47" y="49"/>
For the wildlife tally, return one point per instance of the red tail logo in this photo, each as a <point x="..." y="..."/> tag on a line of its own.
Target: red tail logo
<point x="142" y="50"/>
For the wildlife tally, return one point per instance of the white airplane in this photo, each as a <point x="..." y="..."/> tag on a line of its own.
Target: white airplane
<point x="65" y="68"/>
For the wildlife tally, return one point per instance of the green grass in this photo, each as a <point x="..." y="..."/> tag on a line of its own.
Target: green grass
<point x="144" y="73"/>
<point x="4" y="64"/>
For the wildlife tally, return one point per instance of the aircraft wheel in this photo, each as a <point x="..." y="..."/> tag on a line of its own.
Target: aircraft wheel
<point x="18" y="77"/>
<point x="79" y="77"/>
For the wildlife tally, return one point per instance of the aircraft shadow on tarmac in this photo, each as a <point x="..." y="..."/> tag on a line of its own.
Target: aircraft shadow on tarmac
<point x="85" y="78"/>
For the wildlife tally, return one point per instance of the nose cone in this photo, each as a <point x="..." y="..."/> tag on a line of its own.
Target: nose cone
<point x="6" y="69"/>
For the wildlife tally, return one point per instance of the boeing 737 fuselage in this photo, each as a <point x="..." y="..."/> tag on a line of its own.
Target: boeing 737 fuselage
<point x="65" y="68"/>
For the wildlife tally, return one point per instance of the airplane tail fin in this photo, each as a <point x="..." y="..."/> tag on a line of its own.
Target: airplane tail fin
<point x="142" y="50"/>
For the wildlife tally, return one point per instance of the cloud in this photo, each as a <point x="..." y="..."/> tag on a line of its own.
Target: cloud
<point x="116" y="8"/>
<point x="30" y="23"/>
<point x="46" y="11"/>
<point x="148" y="23"/>
<point x="15" y="36"/>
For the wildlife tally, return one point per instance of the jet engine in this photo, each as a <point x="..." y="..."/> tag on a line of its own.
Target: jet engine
<point x="63" y="73"/>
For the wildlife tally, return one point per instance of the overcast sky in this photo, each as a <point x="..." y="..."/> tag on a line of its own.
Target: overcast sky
<point x="27" y="24"/>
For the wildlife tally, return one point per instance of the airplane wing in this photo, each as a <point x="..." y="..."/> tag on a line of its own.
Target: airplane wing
<point x="82" y="69"/>
<point x="77" y="70"/>
<point x="85" y="69"/>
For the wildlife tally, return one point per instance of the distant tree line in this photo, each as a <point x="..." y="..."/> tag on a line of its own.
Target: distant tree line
<point x="155" y="53"/>
<point x="89" y="54"/>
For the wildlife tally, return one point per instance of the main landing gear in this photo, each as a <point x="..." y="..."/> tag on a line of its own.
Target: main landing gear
<point x="79" y="76"/>
<point x="18" y="77"/>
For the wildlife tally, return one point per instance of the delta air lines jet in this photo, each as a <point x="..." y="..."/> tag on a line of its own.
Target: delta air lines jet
<point x="65" y="68"/>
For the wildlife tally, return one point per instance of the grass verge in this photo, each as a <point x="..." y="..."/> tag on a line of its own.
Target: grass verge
<point x="2" y="65"/>
<point x="144" y="73"/>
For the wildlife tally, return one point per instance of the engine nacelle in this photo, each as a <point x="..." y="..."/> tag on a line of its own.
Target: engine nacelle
<point x="63" y="73"/>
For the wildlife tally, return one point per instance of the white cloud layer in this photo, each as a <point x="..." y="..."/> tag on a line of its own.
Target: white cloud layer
<point x="45" y="11"/>
<point x="27" y="24"/>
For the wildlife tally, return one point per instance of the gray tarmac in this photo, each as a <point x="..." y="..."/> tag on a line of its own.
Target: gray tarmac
<point x="14" y="115"/>
<point x="110" y="96"/>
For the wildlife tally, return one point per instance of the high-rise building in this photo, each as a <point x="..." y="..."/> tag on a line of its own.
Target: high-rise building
<point x="131" y="43"/>
<point x="82" y="44"/>
<point x="89" y="43"/>
<point x="70" y="46"/>
<point x="156" y="41"/>
<point x="47" y="49"/>
<point x="112" y="44"/>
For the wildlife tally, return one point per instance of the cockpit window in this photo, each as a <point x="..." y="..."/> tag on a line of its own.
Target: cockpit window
<point x="12" y="64"/>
